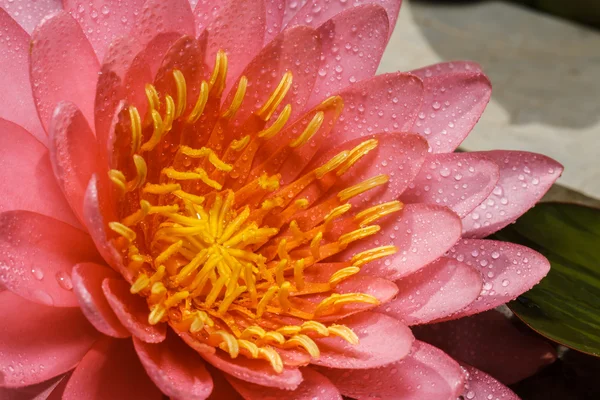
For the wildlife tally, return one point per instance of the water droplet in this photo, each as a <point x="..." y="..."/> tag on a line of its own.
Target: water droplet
<point x="64" y="280"/>
<point x="37" y="273"/>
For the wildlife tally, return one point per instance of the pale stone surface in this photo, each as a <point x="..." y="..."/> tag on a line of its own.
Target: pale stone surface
<point x="545" y="72"/>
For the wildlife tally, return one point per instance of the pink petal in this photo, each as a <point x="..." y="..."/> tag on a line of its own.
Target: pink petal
<point x="104" y="20"/>
<point x="24" y="159"/>
<point x="236" y="27"/>
<point x="39" y="342"/>
<point x="382" y="340"/>
<point x="123" y="76"/>
<point x="59" y="53"/>
<point x="274" y="22"/>
<point x="384" y="103"/>
<point x="296" y="50"/>
<point x="316" y="12"/>
<point x="40" y="391"/>
<point x="111" y="370"/>
<point x="254" y="371"/>
<point x="37" y="254"/>
<point x="492" y="343"/>
<point x="421" y="232"/>
<point x="426" y="373"/>
<point x="448" y="67"/>
<point x="451" y="107"/>
<point x="460" y="181"/>
<point x="222" y="389"/>
<point x="132" y="311"/>
<point x="159" y="16"/>
<point x="29" y="13"/>
<point x="98" y="210"/>
<point x="524" y="179"/>
<point x="314" y="386"/>
<point x="359" y="34"/>
<point x="87" y="285"/>
<point x="481" y="386"/>
<point x="177" y="371"/>
<point x="508" y="270"/>
<point x="73" y="153"/>
<point x="440" y="289"/>
<point x="16" y="100"/>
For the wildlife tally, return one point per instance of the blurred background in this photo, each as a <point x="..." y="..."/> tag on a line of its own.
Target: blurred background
<point x="543" y="58"/>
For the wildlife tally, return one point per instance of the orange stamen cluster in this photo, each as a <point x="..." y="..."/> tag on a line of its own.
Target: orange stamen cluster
<point x="212" y="241"/>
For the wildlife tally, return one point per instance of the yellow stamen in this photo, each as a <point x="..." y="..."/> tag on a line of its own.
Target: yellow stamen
<point x="367" y="256"/>
<point x="122" y="230"/>
<point x="358" y="234"/>
<point x="156" y="134"/>
<point x="332" y="164"/>
<point x="141" y="169"/>
<point x="161" y="188"/>
<point x="381" y="210"/>
<point x="284" y="292"/>
<point x="362" y="187"/>
<point x="152" y="96"/>
<point x="205" y="152"/>
<point x="356" y="154"/>
<point x="181" y="92"/>
<point x="267" y="110"/>
<point x="169" y="114"/>
<point x="136" y="129"/>
<point x="266" y="299"/>
<point x="299" y="273"/>
<point x="237" y="98"/>
<point x="200" y="103"/>
<point x="315" y="244"/>
<point x="240" y="144"/>
<point x="342" y="274"/>
<point x="279" y="123"/>
<point x="312" y="128"/>
<point x="306" y="343"/>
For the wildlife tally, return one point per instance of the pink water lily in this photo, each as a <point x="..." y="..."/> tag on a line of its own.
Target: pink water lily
<point x="231" y="204"/>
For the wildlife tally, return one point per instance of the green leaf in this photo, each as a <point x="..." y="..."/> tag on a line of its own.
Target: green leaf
<point x="565" y="306"/>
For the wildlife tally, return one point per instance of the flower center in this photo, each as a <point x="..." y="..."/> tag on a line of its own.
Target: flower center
<point x="217" y="244"/>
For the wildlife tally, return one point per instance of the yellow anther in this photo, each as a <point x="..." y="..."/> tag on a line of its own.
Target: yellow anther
<point x="156" y="133"/>
<point x="358" y="234"/>
<point x="306" y="343"/>
<point x="205" y="152"/>
<point x="266" y="299"/>
<point x="356" y="154"/>
<point x="250" y="348"/>
<point x="253" y="332"/>
<point x="301" y="203"/>
<point x="122" y="230"/>
<point x="289" y="330"/>
<point x="197" y="174"/>
<point x="136" y="129"/>
<point x="269" y="354"/>
<point x="217" y="79"/>
<point x="226" y="303"/>
<point x="202" y="277"/>
<point x="168" y="253"/>
<point x="362" y="187"/>
<point x="337" y="212"/>
<point x="270" y="204"/>
<point x="237" y="99"/>
<point x="181" y="92"/>
<point x="165" y="188"/>
<point x="282" y="251"/>
<point x="299" y="273"/>
<point x="150" y="209"/>
<point x="214" y="212"/>
<point x="200" y="103"/>
<point x="283" y="294"/>
<point x="141" y="283"/>
<point x="367" y="256"/>
<point x="240" y="144"/>
<point x="158" y="288"/>
<point x="270" y="183"/>
<point x="279" y="270"/>
<point x="158" y="274"/>
<point x="342" y="274"/>
<point x="267" y="110"/>
<point x="152" y="96"/>
<point x="188" y="196"/>
<point x="315" y="245"/>
<point x="234" y="225"/>
<point x="273" y="337"/>
<point x="135" y="262"/>
<point x="169" y="114"/>
<point x="134" y="218"/>
<point x="198" y="260"/>
<point x="295" y="229"/>
<point x="381" y="210"/>
<point x="332" y="164"/>
<point x="141" y="172"/>
<point x="342" y="299"/>
<point x="279" y="123"/>
<point x="176" y="298"/>
<point x="226" y="341"/>
<point x="312" y="128"/>
<point x="344" y="332"/>
<point x="215" y="291"/>
<point x="316" y="327"/>
<point x="157" y="314"/>
<point x="118" y="179"/>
